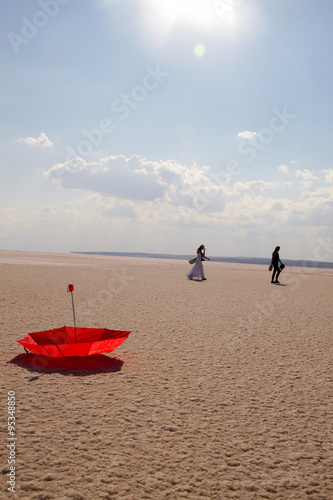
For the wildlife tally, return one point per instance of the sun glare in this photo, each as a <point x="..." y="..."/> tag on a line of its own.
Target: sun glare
<point x="193" y="12"/>
<point x="227" y="20"/>
<point x="199" y="12"/>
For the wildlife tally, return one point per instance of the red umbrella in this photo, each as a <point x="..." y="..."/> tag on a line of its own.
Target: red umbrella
<point x="68" y="341"/>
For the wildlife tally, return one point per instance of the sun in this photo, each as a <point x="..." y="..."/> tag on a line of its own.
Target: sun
<point x="219" y="19"/>
<point x="197" y="12"/>
<point x="200" y="13"/>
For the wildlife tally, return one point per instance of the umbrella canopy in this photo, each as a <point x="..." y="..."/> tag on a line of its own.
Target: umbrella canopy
<point x="68" y="341"/>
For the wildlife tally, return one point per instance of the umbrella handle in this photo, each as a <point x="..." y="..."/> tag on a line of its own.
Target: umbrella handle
<point x="70" y="289"/>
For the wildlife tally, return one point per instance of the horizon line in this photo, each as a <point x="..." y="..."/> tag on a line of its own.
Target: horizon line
<point x="237" y="259"/>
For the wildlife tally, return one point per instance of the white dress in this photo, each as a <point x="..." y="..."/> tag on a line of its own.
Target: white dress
<point x="197" y="271"/>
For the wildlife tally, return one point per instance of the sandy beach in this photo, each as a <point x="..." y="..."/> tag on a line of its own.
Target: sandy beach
<point x="222" y="390"/>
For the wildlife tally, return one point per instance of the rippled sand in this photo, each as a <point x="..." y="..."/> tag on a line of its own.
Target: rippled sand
<point x="222" y="390"/>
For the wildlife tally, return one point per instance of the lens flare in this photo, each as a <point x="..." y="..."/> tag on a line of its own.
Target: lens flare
<point x="199" y="50"/>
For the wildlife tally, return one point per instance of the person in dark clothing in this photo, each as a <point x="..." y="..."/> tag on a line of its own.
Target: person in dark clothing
<point x="275" y="265"/>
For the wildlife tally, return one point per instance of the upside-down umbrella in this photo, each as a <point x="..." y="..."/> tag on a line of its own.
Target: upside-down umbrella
<point x="68" y="341"/>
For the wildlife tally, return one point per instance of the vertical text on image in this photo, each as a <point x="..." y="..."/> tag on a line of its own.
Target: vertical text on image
<point x="11" y="445"/>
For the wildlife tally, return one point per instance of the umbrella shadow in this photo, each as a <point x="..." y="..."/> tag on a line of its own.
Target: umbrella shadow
<point x="98" y="363"/>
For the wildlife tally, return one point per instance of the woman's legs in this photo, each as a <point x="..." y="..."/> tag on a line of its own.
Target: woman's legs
<point x="277" y="271"/>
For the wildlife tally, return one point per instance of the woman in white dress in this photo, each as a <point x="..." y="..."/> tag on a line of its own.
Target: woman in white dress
<point x="197" y="271"/>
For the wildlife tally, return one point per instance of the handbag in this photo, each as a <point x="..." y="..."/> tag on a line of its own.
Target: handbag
<point x="192" y="261"/>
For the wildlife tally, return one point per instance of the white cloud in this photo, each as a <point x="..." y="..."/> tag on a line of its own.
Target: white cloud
<point x="135" y="179"/>
<point x="307" y="177"/>
<point x="283" y="169"/>
<point x="328" y="176"/>
<point x="255" y="187"/>
<point x="42" y="141"/>
<point x="247" y="135"/>
<point x="115" y="176"/>
<point x="140" y="183"/>
<point x="164" y="201"/>
<point x="167" y="194"/>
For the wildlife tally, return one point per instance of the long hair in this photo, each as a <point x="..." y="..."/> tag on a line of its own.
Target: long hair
<point x="201" y="247"/>
<point x="276" y="250"/>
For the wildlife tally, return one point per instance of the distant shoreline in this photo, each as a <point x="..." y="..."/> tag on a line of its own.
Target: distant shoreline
<point x="236" y="260"/>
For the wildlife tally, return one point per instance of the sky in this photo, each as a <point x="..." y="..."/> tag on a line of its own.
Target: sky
<point x="160" y="125"/>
